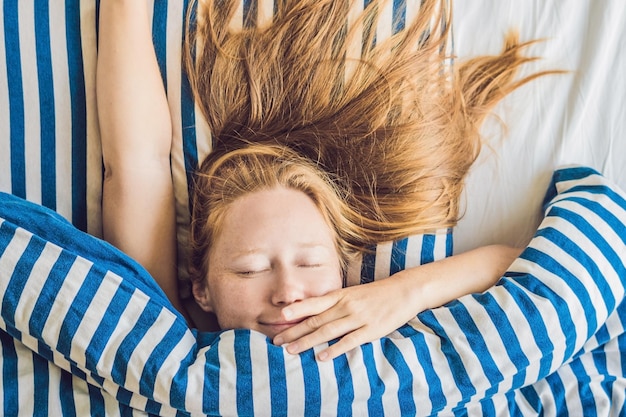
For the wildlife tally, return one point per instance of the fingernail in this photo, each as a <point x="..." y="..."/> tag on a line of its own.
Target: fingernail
<point x="278" y="341"/>
<point x="287" y="313"/>
<point x="323" y="355"/>
<point x="292" y="348"/>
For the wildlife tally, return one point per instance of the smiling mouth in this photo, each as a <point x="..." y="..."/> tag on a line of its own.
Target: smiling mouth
<point x="278" y="327"/>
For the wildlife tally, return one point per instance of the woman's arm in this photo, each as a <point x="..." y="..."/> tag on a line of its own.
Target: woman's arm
<point x="136" y="131"/>
<point x="367" y="312"/>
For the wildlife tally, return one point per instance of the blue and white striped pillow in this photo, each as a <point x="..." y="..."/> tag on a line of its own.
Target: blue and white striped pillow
<point x="86" y="331"/>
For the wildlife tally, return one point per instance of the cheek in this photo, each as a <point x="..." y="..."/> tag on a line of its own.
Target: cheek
<point x="326" y="283"/>
<point x="236" y="302"/>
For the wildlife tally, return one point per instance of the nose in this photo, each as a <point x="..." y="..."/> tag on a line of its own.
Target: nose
<point x="288" y="288"/>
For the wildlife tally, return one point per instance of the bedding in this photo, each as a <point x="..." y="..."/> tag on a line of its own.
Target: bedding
<point x="50" y="155"/>
<point x="86" y="327"/>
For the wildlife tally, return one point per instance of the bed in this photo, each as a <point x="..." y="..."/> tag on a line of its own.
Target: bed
<point x="85" y="331"/>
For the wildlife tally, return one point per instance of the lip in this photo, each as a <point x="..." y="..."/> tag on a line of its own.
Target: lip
<point x="278" y="327"/>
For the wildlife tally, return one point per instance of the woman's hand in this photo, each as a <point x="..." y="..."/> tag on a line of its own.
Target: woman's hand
<point x="367" y="312"/>
<point x="357" y="314"/>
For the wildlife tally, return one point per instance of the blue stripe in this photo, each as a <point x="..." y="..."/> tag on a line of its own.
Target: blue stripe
<point x="398" y="255"/>
<point x="508" y="335"/>
<point x="80" y="305"/>
<point x="529" y="310"/>
<point x="249" y="13"/>
<point x="188" y="120"/>
<point x="46" y="104"/>
<point x="278" y="378"/>
<point x="530" y="395"/>
<point x="555" y="384"/>
<point x="345" y="385"/>
<point x="49" y="292"/>
<point x="405" y="377"/>
<point x="368" y="262"/>
<point x="584" y="390"/>
<point x="461" y="378"/>
<point x="561" y="307"/>
<point x="146" y="319"/>
<point x="377" y="386"/>
<point x="159" y="37"/>
<point x="428" y="249"/>
<point x="78" y="105"/>
<point x="244" y="387"/>
<point x="399" y="15"/>
<point x="7" y="231"/>
<point x="180" y="384"/>
<point x="16" y="98"/>
<point x="449" y="243"/>
<point x="159" y="355"/>
<point x="435" y="389"/>
<point x="211" y="389"/>
<point x="312" y="384"/>
<point x="96" y="401"/>
<point x="41" y="385"/>
<point x="66" y="394"/>
<point x="487" y="406"/>
<point x="477" y="343"/>
<point x="10" y="390"/>
<point x="19" y="278"/>
<point x="609" y="217"/>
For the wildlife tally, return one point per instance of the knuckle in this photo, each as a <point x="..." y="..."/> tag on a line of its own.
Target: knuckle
<point x="314" y="322"/>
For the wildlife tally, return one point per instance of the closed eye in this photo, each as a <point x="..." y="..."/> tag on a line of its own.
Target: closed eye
<point x="310" y="265"/>
<point x="250" y="273"/>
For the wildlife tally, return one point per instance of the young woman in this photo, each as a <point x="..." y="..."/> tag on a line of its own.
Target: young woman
<point x="386" y="138"/>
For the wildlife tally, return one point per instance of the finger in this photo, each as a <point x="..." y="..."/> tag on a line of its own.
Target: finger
<point x="307" y="326"/>
<point x="345" y="344"/>
<point x="329" y="331"/>
<point x="310" y="306"/>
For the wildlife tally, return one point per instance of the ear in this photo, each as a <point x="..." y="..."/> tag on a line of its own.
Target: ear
<point x="201" y="294"/>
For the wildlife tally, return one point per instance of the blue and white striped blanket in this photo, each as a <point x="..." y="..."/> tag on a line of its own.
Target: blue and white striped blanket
<point x="85" y="331"/>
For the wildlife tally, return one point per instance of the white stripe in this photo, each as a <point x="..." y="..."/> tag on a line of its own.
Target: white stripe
<point x="390" y="379"/>
<point x="36" y="280"/>
<point x="329" y="388"/>
<point x="572" y="393"/>
<point x="93" y="314"/>
<point x="414" y="251"/>
<point x="382" y="264"/>
<point x="11" y="256"/>
<point x="228" y="368"/>
<point x="495" y="346"/>
<point x="355" y="42"/>
<point x="64" y="300"/>
<point x="360" y="384"/>
<point x="149" y="341"/>
<point x="295" y="385"/>
<point x="385" y="19"/>
<point x="62" y="110"/>
<point x="354" y="270"/>
<point x="30" y="84"/>
<point x="5" y="126"/>
<point x="26" y="385"/>
<point x="439" y="250"/>
<point x="54" y="389"/>
<point x="260" y="374"/>
<point x="420" y="393"/>
<point x="265" y="12"/>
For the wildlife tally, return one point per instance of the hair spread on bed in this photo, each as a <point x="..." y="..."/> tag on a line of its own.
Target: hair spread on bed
<point x="396" y="127"/>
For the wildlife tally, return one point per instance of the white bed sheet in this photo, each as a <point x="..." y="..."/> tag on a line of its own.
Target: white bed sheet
<point x="579" y="117"/>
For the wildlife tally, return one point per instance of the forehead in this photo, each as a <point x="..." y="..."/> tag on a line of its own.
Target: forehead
<point x="274" y="216"/>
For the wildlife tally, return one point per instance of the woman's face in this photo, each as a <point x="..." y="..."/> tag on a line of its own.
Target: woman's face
<point x="274" y="248"/>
